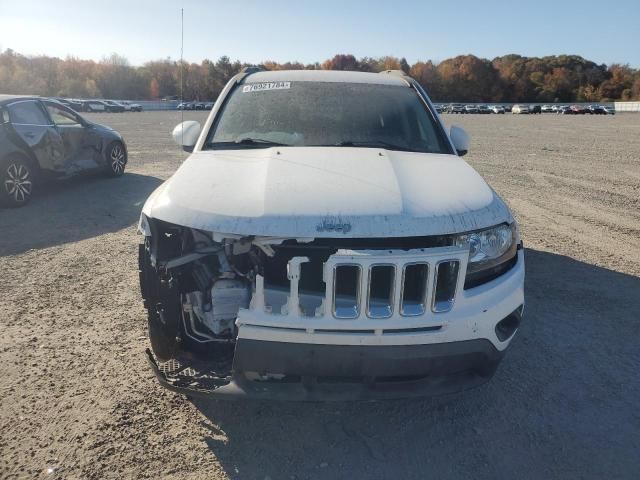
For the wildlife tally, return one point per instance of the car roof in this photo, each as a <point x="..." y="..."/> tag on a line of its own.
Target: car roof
<point x="333" y="76"/>
<point x="6" y="99"/>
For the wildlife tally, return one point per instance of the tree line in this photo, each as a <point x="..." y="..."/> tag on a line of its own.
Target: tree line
<point x="465" y="78"/>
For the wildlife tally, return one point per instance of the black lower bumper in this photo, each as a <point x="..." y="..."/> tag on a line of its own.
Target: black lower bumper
<point x="310" y="372"/>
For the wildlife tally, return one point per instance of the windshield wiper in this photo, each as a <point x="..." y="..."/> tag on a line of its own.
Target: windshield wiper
<point x="259" y="141"/>
<point x="248" y="142"/>
<point x="375" y="144"/>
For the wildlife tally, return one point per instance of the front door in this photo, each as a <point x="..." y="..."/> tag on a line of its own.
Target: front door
<point x="79" y="143"/>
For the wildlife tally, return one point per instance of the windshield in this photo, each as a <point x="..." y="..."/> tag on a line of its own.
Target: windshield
<point x="326" y="114"/>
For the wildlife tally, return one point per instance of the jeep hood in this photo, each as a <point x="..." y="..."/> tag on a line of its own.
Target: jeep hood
<point x="326" y="192"/>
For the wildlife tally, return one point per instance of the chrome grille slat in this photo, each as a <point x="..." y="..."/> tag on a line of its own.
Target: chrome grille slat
<point x="447" y="286"/>
<point x="378" y="309"/>
<point x="420" y="306"/>
<point x="341" y="304"/>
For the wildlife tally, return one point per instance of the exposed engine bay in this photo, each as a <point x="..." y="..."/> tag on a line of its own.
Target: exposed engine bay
<point x="193" y="286"/>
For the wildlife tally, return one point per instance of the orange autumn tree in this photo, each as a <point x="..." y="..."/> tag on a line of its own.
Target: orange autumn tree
<point x="465" y="78"/>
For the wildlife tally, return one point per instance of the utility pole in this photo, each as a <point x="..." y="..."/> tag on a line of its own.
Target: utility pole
<point x="182" y="69"/>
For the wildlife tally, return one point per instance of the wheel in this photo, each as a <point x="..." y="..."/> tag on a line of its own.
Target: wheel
<point x="116" y="159"/>
<point x="17" y="178"/>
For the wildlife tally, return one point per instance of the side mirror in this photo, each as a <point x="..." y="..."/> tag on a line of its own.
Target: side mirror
<point x="460" y="139"/>
<point x="186" y="134"/>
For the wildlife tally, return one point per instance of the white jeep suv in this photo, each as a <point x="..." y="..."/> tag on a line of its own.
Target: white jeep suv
<point x="325" y="240"/>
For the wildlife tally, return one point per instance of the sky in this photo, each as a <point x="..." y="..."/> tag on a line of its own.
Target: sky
<point x="309" y="31"/>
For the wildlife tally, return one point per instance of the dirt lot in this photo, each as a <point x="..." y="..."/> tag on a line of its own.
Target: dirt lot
<point x="78" y="401"/>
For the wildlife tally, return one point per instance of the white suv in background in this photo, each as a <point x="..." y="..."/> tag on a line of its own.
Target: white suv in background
<point x="325" y="240"/>
<point x="520" y="109"/>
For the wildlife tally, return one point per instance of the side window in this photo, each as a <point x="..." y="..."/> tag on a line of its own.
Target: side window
<point x="61" y="116"/>
<point x="28" y="113"/>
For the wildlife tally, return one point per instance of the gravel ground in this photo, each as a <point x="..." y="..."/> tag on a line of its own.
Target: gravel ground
<point x="77" y="399"/>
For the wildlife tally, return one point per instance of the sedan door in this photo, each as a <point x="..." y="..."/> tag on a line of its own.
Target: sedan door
<point x="33" y="127"/>
<point x="81" y="145"/>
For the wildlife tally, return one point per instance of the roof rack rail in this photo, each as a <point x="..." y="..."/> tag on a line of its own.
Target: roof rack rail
<point x="251" y="69"/>
<point x="246" y="71"/>
<point x="400" y="73"/>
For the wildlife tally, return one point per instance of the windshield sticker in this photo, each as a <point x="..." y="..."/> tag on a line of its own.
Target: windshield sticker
<point x="259" y="87"/>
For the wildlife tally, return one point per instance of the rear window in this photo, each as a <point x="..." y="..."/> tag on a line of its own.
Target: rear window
<point x="327" y="114"/>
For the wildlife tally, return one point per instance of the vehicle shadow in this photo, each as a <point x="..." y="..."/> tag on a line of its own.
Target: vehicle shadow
<point x="74" y="209"/>
<point x="568" y="383"/>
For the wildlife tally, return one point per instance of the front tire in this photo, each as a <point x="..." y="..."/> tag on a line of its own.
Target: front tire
<point x="164" y="309"/>
<point x="17" y="177"/>
<point x="116" y="156"/>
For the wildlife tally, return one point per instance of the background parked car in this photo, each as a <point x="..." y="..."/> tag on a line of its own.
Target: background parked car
<point x="185" y="106"/>
<point x="535" y="109"/>
<point x="40" y="137"/>
<point x="75" y="104"/>
<point x="596" y="110"/>
<point x="456" y="108"/>
<point x="483" y="109"/>
<point x="470" y="109"/>
<point x="547" y="109"/>
<point x="507" y="108"/>
<point x="520" y="109"/>
<point x="72" y="104"/>
<point x="131" y="107"/>
<point x="497" y="109"/>
<point x="93" y="106"/>
<point x="609" y="110"/>
<point x="578" y="109"/>
<point x="113" y="106"/>
<point x="63" y="101"/>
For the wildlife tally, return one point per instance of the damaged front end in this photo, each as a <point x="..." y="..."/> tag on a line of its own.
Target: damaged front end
<point x="235" y="315"/>
<point x="193" y="287"/>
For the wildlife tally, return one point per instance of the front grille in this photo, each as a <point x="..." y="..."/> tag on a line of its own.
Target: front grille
<point x="366" y="284"/>
<point x="366" y="287"/>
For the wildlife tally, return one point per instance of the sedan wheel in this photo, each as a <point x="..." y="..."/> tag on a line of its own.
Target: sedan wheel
<point x="17" y="182"/>
<point x="117" y="158"/>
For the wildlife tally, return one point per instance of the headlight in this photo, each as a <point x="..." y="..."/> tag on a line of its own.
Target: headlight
<point x="488" y="244"/>
<point x="491" y="252"/>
